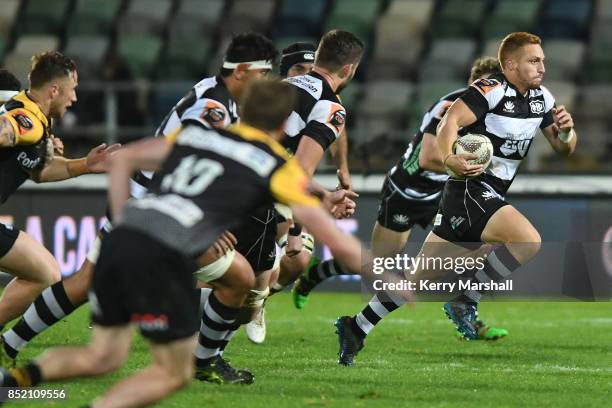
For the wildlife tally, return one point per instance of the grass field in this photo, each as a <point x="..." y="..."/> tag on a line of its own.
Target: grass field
<point x="557" y="354"/>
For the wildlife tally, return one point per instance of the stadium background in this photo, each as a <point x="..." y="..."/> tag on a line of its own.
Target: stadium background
<point x="136" y="58"/>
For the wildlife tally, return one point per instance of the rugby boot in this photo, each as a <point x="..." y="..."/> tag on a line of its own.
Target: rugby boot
<point x="350" y="342"/>
<point x="303" y="285"/>
<point x="463" y="315"/>
<point x="219" y="371"/>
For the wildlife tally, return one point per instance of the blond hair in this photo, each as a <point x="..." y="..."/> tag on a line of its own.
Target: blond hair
<point x="513" y="42"/>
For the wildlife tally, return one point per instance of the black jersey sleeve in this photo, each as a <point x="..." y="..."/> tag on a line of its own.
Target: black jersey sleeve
<point x="325" y="122"/>
<point x="483" y="95"/>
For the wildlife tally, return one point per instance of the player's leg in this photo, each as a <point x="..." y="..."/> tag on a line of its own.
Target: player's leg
<point x="33" y="267"/>
<point x="518" y="241"/>
<point x="107" y="352"/>
<point x="170" y="370"/>
<point x="52" y="305"/>
<point x="254" y="307"/>
<point x="231" y="285"/>
<point x="352" y="330"/>
<point x="471" y="213"/>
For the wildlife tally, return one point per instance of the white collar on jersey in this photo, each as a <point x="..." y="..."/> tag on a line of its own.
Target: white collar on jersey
<point x="6" y="95"/>
<point x="259" y="64"/>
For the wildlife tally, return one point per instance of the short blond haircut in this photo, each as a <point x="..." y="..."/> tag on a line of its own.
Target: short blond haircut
<point x="513" y="42"/>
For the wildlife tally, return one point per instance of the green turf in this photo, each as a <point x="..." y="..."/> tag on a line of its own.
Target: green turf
<point x="557" y="354"/>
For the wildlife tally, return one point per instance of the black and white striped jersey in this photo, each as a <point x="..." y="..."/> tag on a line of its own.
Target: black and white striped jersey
<point x="208" y="103"/>
<point x="510" y="120"/>
<point x="407" y="177"/>
<point x="318" y="113"/>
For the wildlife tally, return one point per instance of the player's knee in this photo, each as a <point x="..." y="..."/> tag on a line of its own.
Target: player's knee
<point x="534" y="244"/>
<point x="245" y="282"/>
<point x="50" y="273"/>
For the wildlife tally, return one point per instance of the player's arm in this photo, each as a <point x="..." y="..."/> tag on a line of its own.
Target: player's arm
<point x="561" y="134"/>
<point x="339" y="152"/>
<point x="309" y="154"/>
<point x="8" y="136"/>
<point x="60" y="168"/>
<point x="430" y="156"/>
<point x="459" y="115"/>
<point x="146" y="154"/>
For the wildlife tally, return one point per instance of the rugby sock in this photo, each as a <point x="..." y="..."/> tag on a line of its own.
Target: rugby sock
<point x="325" y="270"/>
<point x="230" y="333"/>
<point x="217" y="321"/>
<point x="380" y="306"/>
<point x="204" y="293"/>
<point x="498" y="266"/>
<point x="50" y="306"/>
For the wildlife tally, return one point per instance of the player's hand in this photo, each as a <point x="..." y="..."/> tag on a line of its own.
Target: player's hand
<point x="344" y="180"/>
<point x="98" y="156"/>
<point x="225" y="243"/>
<point x="563" y="120"/>
<point x="458" y="164"/>
<point x="58" y="145"/>
<point x="340" y="203"/>
<point x="344" y="210"/>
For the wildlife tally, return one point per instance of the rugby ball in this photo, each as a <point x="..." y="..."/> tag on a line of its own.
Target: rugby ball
<point x="477" y="144"/>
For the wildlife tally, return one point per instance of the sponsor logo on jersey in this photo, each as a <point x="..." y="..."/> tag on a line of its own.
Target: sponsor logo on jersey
<point x="509" y="107"/>
<point x="401" y="219"/>
<point x="484" y="86"/>
<point x="487" y="195"/>
<point x="305" y="82"/>
<point x="272" y="254"/>
<point x="25" y="124"/>
<point x="26" y="162"/>
<point x="513" y="146"/>
<point x="438" y="220"/>
<point x="536" y="107"/>
<point x="456" y="221"/>
<point x="214" y="114"/>
<point x="337" y="118"/>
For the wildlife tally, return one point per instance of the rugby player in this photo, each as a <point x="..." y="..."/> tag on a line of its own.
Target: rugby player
<point x="149" y="255"/>
<point x="296" y="60"/>
<point x="213" y="103"/>
<point x="316" y="122"/>
<point x="410" y="195"/>
<point x="509" y="108"/>
<point x="27" y="152"/>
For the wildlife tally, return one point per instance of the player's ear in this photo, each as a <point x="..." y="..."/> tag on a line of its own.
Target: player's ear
<point x="240" y="70"/>
<point x="54" y="90"/>
<point x="345" y="71"/>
